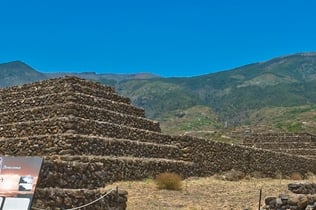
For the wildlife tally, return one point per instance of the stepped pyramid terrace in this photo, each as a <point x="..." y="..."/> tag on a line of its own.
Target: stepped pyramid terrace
<point x="301" y="144"/>
<point x="89" y="137"/>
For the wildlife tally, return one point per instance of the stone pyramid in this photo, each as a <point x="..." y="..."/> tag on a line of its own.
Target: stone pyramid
<point x="88" y="136"/>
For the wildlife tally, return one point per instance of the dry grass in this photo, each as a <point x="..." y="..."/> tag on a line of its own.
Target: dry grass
<point x="297" y="176"/>
<point x="168" y="181"/>
<point x="202" y="193"/>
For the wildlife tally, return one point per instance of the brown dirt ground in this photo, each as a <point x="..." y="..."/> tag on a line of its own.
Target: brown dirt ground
<point x="203" y="194"/>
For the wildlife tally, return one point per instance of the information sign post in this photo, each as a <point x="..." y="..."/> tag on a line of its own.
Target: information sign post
<point x="18" y="179"/>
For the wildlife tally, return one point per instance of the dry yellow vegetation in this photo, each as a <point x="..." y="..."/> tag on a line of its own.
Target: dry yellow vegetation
<point x="203" y="194"/>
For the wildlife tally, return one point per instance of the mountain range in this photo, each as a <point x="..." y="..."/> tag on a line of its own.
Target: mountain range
<point x="279" y="94"/>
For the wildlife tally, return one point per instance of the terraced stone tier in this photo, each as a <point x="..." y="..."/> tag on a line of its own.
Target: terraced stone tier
<point x="67" y="97"/>
<point x="78" y="110"/>
<point x="56" y="198"/>
<point x="89" y="112"/>
<point x="278" y="137"/>
<point x="85" y="126"/>
<point x="310" y="156"/>
<point x="62" y="81"/>
<point x="76" y="172"/>
<point x="296" y="151"/>
<point x="34" y="90"/>
<point x="104" y="103"/>
<point x="82" y="126"/>
<point x="69" y="144"/>
<point x="284" y="145"/>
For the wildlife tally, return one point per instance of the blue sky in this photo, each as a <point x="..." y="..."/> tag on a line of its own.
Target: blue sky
<point x="164" y="37"/>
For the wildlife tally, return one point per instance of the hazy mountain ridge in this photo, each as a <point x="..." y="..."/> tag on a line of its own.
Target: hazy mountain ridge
<point x="17" y="73"/>
<point x="233" y="96"/>
<point x="109" y="77"/>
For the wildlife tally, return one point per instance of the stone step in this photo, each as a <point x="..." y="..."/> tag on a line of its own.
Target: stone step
<point x="284" y="145"/>
<point x="67" y="97"/>
<point x="34" y="90"/>
<point x="310" y="156"/>
<point x="78" y="110"/>
<point x="297" y="151"/>
<point x="278" y="137"/>
<point x="76" y="172"/>
<point x="58" y="198"/>
<point x="69" y="144"/>
<point x="102" y="102"/>
<point x="76" y="125"/>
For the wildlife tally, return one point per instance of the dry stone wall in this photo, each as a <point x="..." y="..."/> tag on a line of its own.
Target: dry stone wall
<point x="54" y="83"/>
<point x="278" y="137"/>
<point x="82" y="111"/>
<point x="297" y="144"/>
<point x="285" y="145"/>
<point x="96" y="171"/>
<point x="209" y="157"/>
<point x="108" y="104"/>
<point x="214" y="157"/>
<point x="60" y="125"/>
<point x="296" y="151"/>
<point x="68" y="97"/>
<point x="68" y="199"/>
<point x="69" y="86"/>
<point x="74" y="144"/>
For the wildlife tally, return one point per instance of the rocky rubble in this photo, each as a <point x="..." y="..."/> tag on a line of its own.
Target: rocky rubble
<point x="293" y="202"/>
<point x="302" y="188"/>
<point x="303" y="199"/>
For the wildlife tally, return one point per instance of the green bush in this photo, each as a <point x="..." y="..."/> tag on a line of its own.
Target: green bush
<point x="169" y="181"/>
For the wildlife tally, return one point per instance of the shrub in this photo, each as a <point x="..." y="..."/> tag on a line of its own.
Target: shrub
<point x="296" y="176"/>
<point x="169" y="181"/>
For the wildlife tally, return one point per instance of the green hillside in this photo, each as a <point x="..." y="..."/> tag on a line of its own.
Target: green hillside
<point x="233" y="95"/>
<point x="158" y="96"/>
<point x="285" y="119"/>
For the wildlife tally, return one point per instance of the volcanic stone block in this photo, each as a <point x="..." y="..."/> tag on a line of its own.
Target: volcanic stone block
<point x="70" y="198"/>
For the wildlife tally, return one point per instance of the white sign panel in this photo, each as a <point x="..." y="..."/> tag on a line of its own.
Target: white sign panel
<point x="18" y="179"/>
